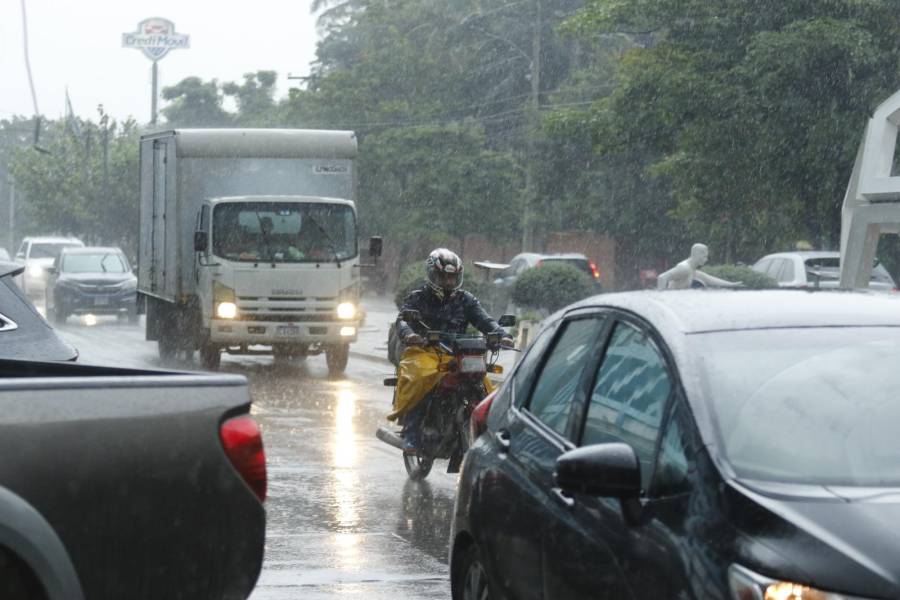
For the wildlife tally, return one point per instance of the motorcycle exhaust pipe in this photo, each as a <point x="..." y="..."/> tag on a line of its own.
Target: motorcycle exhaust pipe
<point x="389" y="437"/>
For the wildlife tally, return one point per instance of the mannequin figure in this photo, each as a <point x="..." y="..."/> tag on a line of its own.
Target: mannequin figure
<point x="681" y="275"/>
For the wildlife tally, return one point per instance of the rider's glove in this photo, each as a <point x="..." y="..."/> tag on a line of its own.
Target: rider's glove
<point x="507" y="342"/>
<point x="413" y="339"/>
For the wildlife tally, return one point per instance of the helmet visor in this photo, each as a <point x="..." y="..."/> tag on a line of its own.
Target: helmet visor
<point x="446" y="281"/>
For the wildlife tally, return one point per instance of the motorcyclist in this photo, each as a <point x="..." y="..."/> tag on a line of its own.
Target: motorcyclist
<point x="443" y="306"/>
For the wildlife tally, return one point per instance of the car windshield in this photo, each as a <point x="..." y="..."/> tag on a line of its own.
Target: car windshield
<point x="285" y="232"/>
<point x="44" y="250"/>
<point x="101" y="262"/>
<point x="811" y="406"/>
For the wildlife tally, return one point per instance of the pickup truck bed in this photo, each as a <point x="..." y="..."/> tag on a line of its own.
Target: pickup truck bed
<point x="126" y="469"/>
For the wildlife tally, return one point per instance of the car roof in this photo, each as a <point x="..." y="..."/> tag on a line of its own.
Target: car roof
<point x="92" y="250"/>
<point x="562" y="255"/>
<point x="53" y="240"/>
<point x="696" y="311"/>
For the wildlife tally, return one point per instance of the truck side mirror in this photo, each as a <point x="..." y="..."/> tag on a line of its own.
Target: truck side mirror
<point x="375" y="246"/>
<point x="201" y="241"/>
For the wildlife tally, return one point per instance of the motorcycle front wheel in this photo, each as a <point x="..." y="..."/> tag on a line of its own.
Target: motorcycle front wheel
<point x="417" y="467"/>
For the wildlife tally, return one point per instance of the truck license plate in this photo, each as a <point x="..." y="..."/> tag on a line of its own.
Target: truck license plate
<point x="287" y="331"/>
<point x="101" y="301"/>
<point x="472" y="364"/>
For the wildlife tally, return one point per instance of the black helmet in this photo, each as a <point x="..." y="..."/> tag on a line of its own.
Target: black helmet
<point x="444" y="271"/>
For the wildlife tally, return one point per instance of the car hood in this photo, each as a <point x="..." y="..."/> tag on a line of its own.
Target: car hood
<point x="32" y="338"/>
<point x="96" y="278"/>
<point x="834" y="538"/>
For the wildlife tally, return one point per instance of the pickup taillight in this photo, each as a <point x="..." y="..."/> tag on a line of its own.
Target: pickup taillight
<point x="478" y="420"/>
<point x="243" y="445"/>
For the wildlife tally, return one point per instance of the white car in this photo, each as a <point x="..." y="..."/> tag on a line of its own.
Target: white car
<point x="815" y="270"/>
<point x="4" y="255"/>
<point x="38" y="253"/>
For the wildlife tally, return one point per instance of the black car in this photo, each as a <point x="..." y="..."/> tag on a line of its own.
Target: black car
<point x="89" y="280"/>
<point x="24" y="334"/>
<point x="730" y="445"/>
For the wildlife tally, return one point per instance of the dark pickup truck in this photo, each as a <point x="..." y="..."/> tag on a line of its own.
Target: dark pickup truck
<point x="125" y="484"/>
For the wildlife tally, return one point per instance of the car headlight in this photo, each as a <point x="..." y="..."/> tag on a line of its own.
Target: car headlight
<point x="226" y="310"/>
<point x="36" y="271"/>
<point x="129" y="284"/>
<point x="346" y="310"/>
<point x="747" y="585"/>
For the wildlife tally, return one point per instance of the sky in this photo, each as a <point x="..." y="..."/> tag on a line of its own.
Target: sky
<point x="79" y="44"/>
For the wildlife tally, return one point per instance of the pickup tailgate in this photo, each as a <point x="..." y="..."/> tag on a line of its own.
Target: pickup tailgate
<point x="129" y="469"/>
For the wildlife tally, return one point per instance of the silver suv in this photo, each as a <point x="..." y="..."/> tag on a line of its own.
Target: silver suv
<point x="815" y="269"/>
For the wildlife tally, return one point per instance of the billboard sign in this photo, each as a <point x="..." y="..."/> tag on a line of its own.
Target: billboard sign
<point x="155" y="37"/>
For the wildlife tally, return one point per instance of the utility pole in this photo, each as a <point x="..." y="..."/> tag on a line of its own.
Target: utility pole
<point x="154" y="99"/>
<point x="528" y="212"/>
<point x="12" y="215"/>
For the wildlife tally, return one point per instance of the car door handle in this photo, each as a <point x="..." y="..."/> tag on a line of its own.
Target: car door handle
<point x="564" y="498"/>
<point x="503" y="440"/>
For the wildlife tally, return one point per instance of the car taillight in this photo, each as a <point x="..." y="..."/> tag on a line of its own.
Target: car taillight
<point x="243" y="445"/>
<point x="478" y="420"/>
<point x="594" y="270"/>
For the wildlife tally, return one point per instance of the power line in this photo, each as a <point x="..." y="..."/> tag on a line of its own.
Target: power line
<point x="28" y="60"/>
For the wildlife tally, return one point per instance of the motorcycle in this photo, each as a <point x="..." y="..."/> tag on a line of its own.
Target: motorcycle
<point x="447" y="407"/>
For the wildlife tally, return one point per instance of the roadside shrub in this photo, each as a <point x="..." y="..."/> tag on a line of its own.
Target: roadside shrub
<point x="551" y="287"/>
<point x="751" y="279"/>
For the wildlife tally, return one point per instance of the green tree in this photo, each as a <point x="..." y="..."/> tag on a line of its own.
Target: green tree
<point x="195" y="103"/>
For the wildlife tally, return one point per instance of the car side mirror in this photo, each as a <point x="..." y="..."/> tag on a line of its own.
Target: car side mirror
<point x="411" y="316"/>
<point x="376" y="245"/>
<point x="507" y="321"/>
<point x="201" y="241"/>
<point x="605" y="470"/>
<point x="53" y="270"/>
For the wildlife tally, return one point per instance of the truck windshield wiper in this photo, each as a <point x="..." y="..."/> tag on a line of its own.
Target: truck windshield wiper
<point x="328" y="238"/>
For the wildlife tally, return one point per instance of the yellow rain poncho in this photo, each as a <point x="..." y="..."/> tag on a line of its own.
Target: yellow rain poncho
<point x="419" y="371"/>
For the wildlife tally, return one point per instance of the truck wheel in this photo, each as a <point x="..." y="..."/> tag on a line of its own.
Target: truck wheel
<point x="210" y="356"/>
<point x="336" y="357"/>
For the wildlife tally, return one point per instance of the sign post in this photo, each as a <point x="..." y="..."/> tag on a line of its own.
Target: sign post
<point x="155" y="37"/>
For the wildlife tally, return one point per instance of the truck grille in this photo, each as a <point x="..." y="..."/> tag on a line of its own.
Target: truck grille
<point x="285" y="318"/>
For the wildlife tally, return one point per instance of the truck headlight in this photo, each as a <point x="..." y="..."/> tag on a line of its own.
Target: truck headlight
<point x="226" y="310"/>
<point x="747" y="585"/>
<point x="346" y="310"/>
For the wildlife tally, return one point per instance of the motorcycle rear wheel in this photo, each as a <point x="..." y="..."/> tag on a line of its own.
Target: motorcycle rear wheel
<point x="417" y="467"/>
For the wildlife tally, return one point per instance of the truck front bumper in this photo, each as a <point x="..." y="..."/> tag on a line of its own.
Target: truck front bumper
<point x="236" y="331"/>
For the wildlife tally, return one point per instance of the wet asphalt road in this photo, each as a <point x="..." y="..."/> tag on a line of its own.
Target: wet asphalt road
<point x="343" y="520"/>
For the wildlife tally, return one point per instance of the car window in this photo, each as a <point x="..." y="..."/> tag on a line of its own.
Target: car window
<point x="786" y="273"/>
<point x="673" y="462"/>
<point x="526" y="373"/>
<point x="774" y="268"/>
<point x="762" y="265"/>
<point x="551" y="400"/>
<point x="629" y="396"/>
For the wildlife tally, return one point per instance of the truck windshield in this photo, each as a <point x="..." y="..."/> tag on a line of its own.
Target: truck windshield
<point x="287" y="232"/>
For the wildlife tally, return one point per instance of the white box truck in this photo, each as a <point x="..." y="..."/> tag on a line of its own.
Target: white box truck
<point x="248" y="243"/>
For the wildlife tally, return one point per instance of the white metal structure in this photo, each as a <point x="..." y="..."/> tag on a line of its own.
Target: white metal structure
<point x="872" y="202"/>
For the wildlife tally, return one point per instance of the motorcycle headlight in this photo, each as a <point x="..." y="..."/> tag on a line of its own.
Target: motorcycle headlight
<point x="346" y="310"/>
<point x="747" y="585"/>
